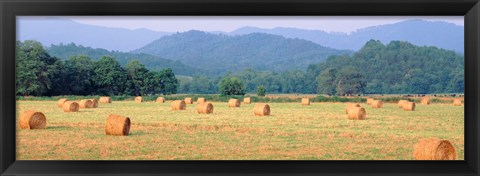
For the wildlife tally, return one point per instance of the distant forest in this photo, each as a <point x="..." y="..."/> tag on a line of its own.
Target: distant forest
<point x="397" y="67"/>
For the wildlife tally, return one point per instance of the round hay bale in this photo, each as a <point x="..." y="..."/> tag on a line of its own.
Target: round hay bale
<point x="434" y="149"/>
<point x="178" y="105"/>
<point x="138" y="99"/>
<point x="370" y="100"/>
<point x="105" y="100"/>
<point x="408" y="106"/>
<point x="205" y="108"/>
<point x="356" y="113"/>
<point x="32" y="120"/>
<point x="233" y="103"/>
<point x="160" y="100"/>
<point x="377" y="104"/>
<point x="61" y="101"/>
<point x="306" y="101"/>
<point x="94" y="103"/>
<point x="400" y="103"/>
<point x="457" y="102"/>
<point x="117" y="125"/>
<point x="247" y="100"/>
<point x="425" y="101"/>
<point x="70" y="106"/>
<point x="85" y="104"/>
<point x="188" y="100"/>
<point x="261" y="109"/>
<point x="350" y="105"/>
<point x="201" y="100"/>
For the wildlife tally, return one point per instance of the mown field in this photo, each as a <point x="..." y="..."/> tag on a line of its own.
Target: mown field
<point x="320" y="131"/>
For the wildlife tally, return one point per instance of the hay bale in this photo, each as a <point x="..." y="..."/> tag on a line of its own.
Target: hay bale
<point x="400" y="103"/>
<point x="377" y="104"/>
<point x="457" y="102"/>
<point x="105" y="100"/>
<point x="70" y="106"/>
<point x="350" y="105"/>
<point x="94" y="103"/>
<point x="306" y="101"/>
<point x="408" y="106"/>
<point x="138" y="99"/>
<point x="178" y="105"/>
<point x="32" y="120"/>
<point x="370" y="100"/>
<point x="261" y="109"/>
<point x="247" y="100"/>
<point x="201" y="100"/>
<point x="117" y="125"/>
<point x="205" y="108"/>
<point x="425" y="101"/>
<point x="85" y="104"/>
<point x="434" y="149"/>
<point x="356" y="113"/>
<point x="233" y="103"/>
<point x="160" y="100"/>
<point x="61" y="101"/>
<point x="188" y="100"/>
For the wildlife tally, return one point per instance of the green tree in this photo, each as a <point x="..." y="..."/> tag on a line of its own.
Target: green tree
<point x="80" y="72"/>
<point x="231" y="86"/>
<point x="139" y="79"/>
<point x="261" y="91"/>
<point x="167" y="82"/>
<point x="36" y="70"/>
<point x="326" y="82"/>
<point x="110" y="77"/>
<point x="350" y="81"/>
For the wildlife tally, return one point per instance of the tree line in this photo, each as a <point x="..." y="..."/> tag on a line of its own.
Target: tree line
<point x="39" y="74"/>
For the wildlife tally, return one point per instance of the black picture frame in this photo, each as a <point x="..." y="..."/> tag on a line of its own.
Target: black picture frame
<point x="9" y="9"/>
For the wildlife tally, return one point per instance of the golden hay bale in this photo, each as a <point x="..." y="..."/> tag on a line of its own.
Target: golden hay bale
<point x="188" y="100"/>
<point x="70" y="106"/>
<point x="85" y="104"/>
<point x="408" y="106"/>
<point x="205" y="108"/>
<point x="117" y="125"/>
<point x="261" y="109"/>
<point x="350" y="105"/>
<point x="178" y="105"/>
<point x="434" y="149"/>
<point x="233" y="103"/>
<point x="425" y="101"/>
<point x="138" y="99"/>
<point x="457" y="102"/>
<point x="305" y="101"/>
<point x="61" y="101"/>
<point x="357" y="113"/>
<point x="94" y="103"/>
<point x="377" y="104"/>
<point x="400" y="103"/>
<point x="160" y="100"/>
<point x="369" y="101"/>
<point x="33" y="120"/>
<point x="105" y="100"/>
<point x="201" y="100"/>
<point x="247" y="100"/>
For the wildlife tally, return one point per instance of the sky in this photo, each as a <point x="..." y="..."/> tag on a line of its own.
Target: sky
<point x="345" y="24"/>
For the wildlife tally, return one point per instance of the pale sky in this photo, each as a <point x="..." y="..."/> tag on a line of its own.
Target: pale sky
<point x="344" y="24"/>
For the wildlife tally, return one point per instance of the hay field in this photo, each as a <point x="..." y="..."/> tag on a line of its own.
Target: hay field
<point x="320" y="131"/>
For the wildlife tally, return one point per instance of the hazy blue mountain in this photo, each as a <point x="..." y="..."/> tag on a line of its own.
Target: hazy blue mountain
<point x="220" y="53"/>
<point x="60" y="30"/>
<point x="151" y="62"/>
<point x="419" y="32"/>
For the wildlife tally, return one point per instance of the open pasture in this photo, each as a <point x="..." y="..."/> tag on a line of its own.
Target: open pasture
<point x="320" y="131"/>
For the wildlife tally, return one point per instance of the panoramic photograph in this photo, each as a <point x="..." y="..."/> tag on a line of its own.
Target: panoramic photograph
<point x="240" y="88"/>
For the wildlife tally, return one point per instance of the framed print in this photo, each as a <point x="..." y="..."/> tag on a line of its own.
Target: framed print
<point x="239" y="87"/>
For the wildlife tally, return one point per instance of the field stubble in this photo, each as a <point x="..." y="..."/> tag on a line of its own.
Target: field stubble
<point x="320" y="131"/>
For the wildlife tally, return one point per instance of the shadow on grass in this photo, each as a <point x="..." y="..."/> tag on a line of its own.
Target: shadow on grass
<point x="58" y="128"/>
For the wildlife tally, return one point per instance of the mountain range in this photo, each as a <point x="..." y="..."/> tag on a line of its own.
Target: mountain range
<point x="419" y="32"/>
